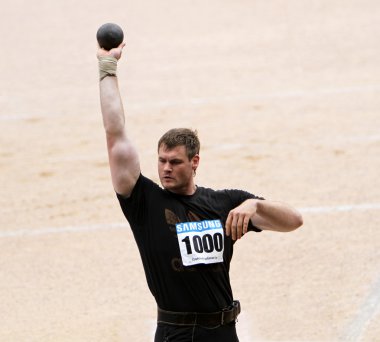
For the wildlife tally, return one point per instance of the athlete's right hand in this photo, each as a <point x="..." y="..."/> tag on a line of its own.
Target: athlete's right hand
<point x="238" y="218"/>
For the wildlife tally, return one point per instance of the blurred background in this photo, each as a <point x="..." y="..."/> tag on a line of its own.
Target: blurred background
<point x="285" y="98"/>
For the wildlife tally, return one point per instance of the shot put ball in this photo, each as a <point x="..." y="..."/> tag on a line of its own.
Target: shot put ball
<point x="109" y="36"/>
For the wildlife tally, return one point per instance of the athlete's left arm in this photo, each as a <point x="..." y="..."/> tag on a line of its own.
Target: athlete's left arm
<point x="264" y="214"/>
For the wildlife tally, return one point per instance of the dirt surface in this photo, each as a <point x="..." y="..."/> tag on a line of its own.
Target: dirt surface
<point x="285" y="96"/>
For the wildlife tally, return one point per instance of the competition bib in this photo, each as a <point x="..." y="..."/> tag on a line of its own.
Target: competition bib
<point x="200" y="242"/>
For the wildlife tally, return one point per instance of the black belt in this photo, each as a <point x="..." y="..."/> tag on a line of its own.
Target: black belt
<point x="223" y="317"/>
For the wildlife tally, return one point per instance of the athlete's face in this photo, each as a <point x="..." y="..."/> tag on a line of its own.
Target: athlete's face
<point x="175" y="170"/>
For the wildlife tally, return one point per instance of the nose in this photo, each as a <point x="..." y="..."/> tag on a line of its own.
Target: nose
<point x="167" y="167"/>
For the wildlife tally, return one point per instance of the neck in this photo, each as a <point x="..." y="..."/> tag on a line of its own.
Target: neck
<point x="184" y="191"/>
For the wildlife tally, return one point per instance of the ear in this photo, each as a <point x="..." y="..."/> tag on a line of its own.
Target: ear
<point x="195" y="162"/>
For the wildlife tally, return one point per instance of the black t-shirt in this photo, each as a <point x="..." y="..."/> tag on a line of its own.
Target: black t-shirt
<point x="163" y="223"/>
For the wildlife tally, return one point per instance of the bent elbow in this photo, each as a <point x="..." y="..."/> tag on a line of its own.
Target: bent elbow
<point x="296" y="222"/>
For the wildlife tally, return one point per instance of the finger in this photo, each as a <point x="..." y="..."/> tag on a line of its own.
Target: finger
<point x="245" y="224"/>
<point x="101" y="51"/>
<point x="234" y="227"/>
<point x="240" y="226"/>
<point x="119" y="49"/>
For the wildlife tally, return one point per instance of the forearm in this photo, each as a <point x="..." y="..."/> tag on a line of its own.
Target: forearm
<point x="266" y="215"/>
<point x="111" y="106"/>
<point x="123" y="157"/>
<point x="276" y="216"/>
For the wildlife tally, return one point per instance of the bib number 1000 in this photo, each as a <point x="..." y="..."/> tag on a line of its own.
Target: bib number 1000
<point x="207" y="243"/>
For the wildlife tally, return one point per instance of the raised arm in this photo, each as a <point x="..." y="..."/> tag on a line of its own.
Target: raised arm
<point x="123" y="157"/>
<point x="266" y="215"/>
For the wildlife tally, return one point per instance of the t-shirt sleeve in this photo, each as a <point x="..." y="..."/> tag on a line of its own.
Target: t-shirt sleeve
<point x="238" y="197"/>
<point x="134" y="206"/>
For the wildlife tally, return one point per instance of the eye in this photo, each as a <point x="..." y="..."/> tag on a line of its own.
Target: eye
<point x="175" y="161"/>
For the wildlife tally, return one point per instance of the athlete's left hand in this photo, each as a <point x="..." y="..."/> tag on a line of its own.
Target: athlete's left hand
<point x="115" y="52"/>
<point x="238" y="219"/>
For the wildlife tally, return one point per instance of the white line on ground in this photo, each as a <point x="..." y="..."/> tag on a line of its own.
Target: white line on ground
<point x="355" y="330"/>
<point x="295" y="93"/>
<point x="346" y="207"/>
<point x="245" y="330"/>
<point x="58" y="230"/>
<point x="113" y="226"/>
<point x="369" y="309"/>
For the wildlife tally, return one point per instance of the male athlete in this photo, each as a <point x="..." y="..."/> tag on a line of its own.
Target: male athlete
<point x="185" y="233"/>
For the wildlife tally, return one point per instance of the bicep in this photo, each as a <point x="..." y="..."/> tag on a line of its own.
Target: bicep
<point x="124" y="163"/>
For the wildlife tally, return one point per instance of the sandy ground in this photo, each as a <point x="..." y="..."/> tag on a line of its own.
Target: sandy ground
<point x="285" y="96"/>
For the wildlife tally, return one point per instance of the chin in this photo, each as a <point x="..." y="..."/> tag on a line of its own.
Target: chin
<point x="167" y="185"/>
<point x="170" y="187"/>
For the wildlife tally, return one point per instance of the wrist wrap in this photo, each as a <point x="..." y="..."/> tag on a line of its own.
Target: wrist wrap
<point x="107" y="66"/>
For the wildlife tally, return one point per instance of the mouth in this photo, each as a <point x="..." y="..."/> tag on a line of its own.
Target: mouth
<point x="167" y="178"/>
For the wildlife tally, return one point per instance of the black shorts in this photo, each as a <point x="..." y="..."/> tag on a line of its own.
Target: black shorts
<point x="195" y="333"/>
